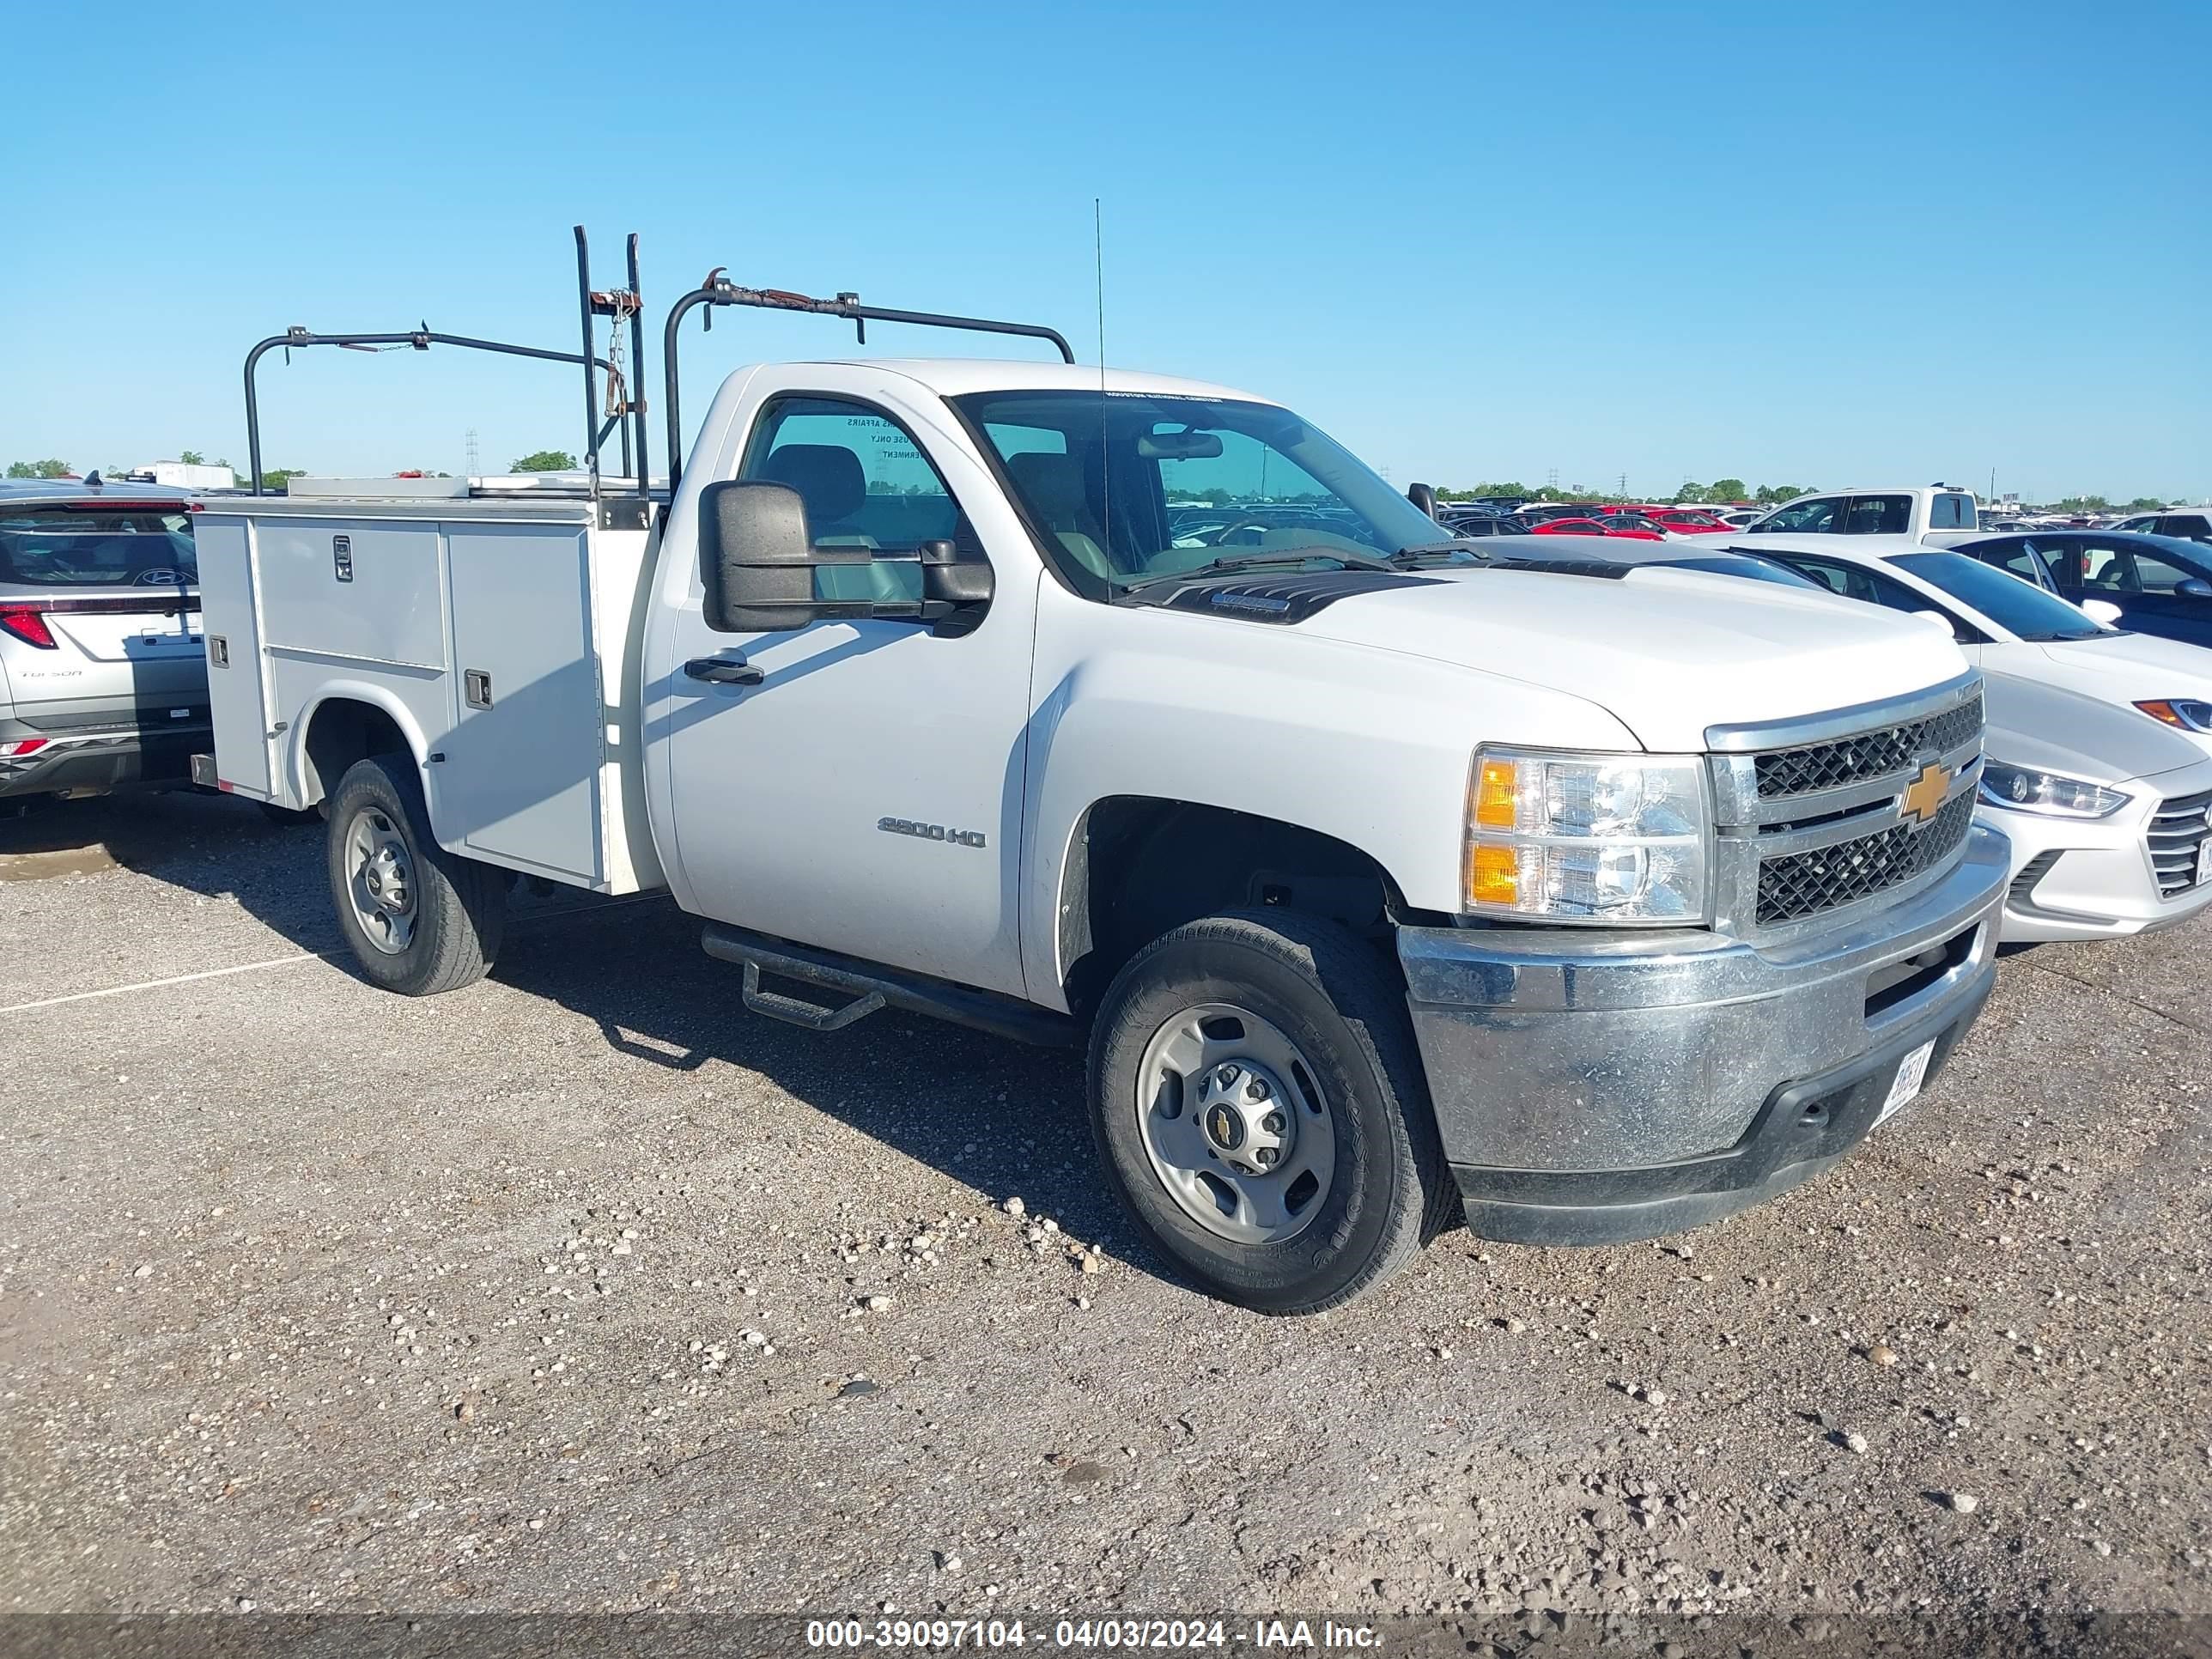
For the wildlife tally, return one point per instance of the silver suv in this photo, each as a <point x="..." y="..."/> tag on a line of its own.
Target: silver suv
<point x="103" y="678"/>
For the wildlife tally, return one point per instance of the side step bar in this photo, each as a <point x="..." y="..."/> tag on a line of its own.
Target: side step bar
<point x="869" y="986"/>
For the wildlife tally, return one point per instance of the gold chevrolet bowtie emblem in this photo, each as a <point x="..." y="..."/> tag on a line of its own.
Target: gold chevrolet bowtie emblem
<point x="1923" y="796"/>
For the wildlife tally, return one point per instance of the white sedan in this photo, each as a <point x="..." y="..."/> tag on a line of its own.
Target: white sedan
<point x="2099" y="767"/>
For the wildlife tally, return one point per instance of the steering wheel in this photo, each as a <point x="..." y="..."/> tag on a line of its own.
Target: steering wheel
<point x="1220" y="537"/>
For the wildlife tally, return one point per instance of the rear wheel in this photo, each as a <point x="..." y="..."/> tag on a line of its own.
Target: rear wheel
<point x="1260" y="1106"/>
<point x="420" y="920"/>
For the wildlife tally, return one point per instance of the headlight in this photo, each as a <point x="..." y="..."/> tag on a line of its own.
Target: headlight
<point x="1587" y="837"/>
<point x="2048" y="792"/>
<point x="2190" y="713"/>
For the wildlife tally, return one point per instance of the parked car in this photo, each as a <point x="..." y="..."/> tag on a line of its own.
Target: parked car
<point x="1686" y="520"/>
<point x="2109" y="816"/>
<point x="1544" y="512"/>
<point x="2159" y="585"/>
<point x="2190" y="523"/>
<point x="2003" y="621"/>
<point x="1485" y="524"/>
<point x="912" y="714"/>
<point x="1612" y="525"/>
<point x="102" y="677"/>
<point x="1718" y="562"/>
<point x="1943" y="512"/>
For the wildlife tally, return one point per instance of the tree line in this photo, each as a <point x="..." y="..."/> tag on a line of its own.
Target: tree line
<point x="1721" y="492"/>
<point x="2099" y="504"/>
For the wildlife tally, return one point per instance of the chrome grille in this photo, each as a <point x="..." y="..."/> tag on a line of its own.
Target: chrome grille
<point x="2177" y="829"/>
<point x="1810" y="811"/>
<point x="1795" y="885"/>
<point x="1818" y="766"/>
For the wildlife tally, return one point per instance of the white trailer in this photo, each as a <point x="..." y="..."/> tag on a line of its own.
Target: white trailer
<point x="184" y="475"/>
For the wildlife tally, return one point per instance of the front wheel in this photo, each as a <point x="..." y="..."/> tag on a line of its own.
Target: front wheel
<point x="1260" y="1106"/>
<point x="420" y="920"/>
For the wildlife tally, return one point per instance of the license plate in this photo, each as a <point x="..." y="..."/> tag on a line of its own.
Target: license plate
<point x="2205" y="861"/>
<point x="1910" y="1076"/>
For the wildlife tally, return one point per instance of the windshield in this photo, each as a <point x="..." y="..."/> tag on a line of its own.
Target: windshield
<point x="1128" y="485"/>
<point x="70" y="547"/>
<point x="2012" y="604"/>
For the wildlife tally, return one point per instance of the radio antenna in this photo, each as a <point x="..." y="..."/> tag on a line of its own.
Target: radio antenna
<point x="1105" y="447"/>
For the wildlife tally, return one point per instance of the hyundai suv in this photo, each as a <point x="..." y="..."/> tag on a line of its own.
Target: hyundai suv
<point x="103" y="678"/>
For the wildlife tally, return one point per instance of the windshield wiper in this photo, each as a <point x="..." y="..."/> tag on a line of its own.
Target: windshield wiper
<point x="1251" y="560"/>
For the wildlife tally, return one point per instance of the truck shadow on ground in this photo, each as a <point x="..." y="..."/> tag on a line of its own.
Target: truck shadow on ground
<point x="1001" y="1117"/>
<point x="213" y="845"/>
<point x="997" y="1116"/>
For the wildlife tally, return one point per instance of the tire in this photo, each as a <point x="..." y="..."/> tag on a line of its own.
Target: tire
<point x="454" y="909"/>
<point x="1271" y="979"/>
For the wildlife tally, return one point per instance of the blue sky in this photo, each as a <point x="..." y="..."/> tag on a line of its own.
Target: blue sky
<point x="1820" y="243"/>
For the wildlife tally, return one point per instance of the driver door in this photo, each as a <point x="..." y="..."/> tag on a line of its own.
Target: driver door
<point x="865" y="794"/>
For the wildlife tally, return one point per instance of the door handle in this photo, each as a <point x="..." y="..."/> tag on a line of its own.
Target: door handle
<point x="724" y="670"/>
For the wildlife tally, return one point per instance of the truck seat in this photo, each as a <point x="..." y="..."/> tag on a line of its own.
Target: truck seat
<point x="1053" y="486"/>
<point x="829" y="480"/>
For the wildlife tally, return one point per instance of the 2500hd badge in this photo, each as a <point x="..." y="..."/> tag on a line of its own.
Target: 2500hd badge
<point x="933" y="832"/>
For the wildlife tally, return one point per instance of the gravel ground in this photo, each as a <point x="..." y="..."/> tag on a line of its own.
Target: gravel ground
<point x="585" y="1290"/>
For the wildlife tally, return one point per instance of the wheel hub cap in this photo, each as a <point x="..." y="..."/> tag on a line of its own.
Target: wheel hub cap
<point x="1240" y="1106"/>
<point x="1235" y="1125"/>
<point x="379" y="880"/>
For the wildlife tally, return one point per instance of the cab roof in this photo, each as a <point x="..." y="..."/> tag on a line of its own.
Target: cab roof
<point x="956" y="377"/>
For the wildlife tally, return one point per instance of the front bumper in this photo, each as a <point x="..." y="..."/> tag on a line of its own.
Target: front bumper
<point x="1597" y="1088"/>
<point x="2075" y="878"/>
<point x="98" y="751"/>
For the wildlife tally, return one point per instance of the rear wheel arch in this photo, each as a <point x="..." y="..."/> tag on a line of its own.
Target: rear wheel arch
<point x="344" y="726"/>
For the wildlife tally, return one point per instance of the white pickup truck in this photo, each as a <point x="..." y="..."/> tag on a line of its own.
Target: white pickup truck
<point x="1936" y="513"/>
<point x="1377" y="875"/>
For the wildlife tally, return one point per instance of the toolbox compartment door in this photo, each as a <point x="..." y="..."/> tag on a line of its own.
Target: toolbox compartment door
<point x="520" y="779"/>
<point x="237" y="683"/>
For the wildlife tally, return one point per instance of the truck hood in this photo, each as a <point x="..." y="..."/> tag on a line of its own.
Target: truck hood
<point x="1668" y="652"/>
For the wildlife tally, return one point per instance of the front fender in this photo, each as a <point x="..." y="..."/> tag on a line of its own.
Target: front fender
<point x="1369" y="747"/>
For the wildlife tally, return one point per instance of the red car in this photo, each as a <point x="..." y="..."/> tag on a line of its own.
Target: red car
<point x="1635" y="528"/>
<point x="1687" y="521"/>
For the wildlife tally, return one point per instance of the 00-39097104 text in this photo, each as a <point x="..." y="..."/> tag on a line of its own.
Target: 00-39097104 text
<point x="953" y="1634"/>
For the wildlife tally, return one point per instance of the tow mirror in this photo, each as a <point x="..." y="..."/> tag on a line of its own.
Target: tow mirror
<point x="2102" y="611"/>
<point x="756" y="557"/>
<point x="1423" y="497"/>
<point x="951" y="580"/>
